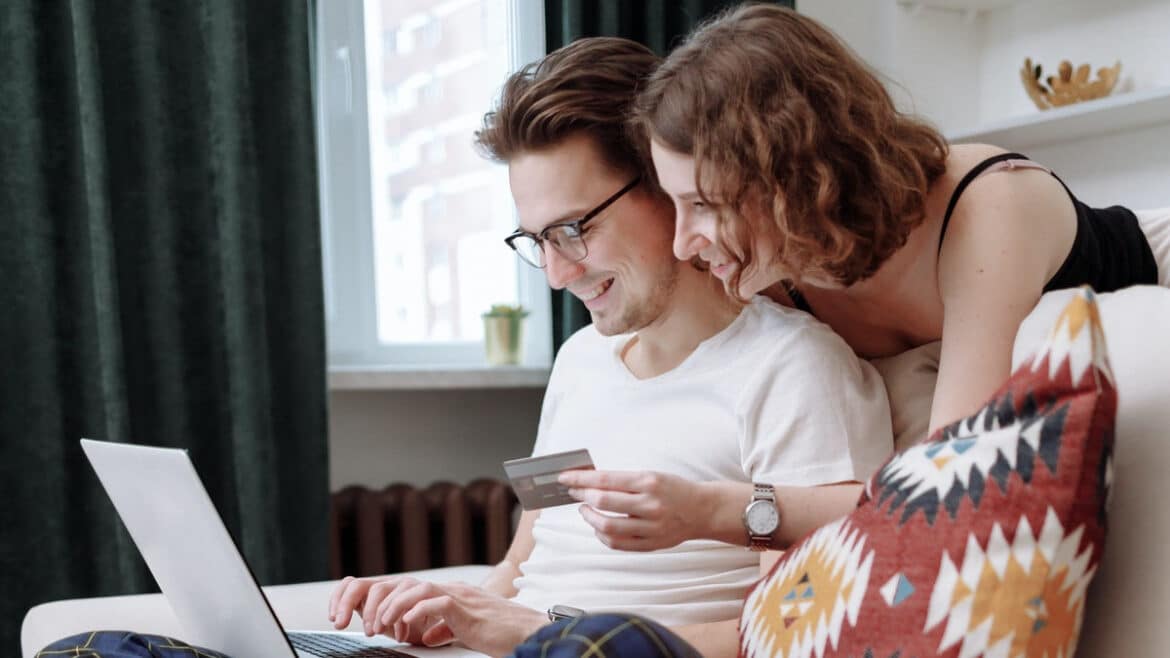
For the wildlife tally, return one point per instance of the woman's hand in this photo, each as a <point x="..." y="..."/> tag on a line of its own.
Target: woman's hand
<point x="660" y="510"/>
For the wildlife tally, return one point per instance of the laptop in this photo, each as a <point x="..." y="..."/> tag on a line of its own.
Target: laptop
<point x="199" y="568"/>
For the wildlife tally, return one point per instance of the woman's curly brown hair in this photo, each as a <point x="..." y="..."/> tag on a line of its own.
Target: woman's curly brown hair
<point x="795" y="139"/>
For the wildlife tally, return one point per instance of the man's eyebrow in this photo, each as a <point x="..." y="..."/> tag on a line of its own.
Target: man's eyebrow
<point x="571" y="216"/>
<point x="693" y="195"/>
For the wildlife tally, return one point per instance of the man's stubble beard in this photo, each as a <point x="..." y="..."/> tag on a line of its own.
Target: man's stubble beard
<point x="638" y="314"/>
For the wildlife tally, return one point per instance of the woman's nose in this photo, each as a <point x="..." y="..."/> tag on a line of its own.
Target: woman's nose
<point x="689" y="236"/>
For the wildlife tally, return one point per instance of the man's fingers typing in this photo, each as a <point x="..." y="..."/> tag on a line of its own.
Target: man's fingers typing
<point x="350" y="601"/>
<point x="376" y="597"/>
<point x="404" y="600"/>
<point x="335" y="596"/>
<point x="437" y="635"/>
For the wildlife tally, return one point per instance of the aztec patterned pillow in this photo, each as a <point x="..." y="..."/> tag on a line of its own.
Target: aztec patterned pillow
<point x="978" y="542"/>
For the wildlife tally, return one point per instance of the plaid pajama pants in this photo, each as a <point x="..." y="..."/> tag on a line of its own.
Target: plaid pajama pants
<point x="590" y="636"/>
<point x="604" y="636"/>
<point x="123" y="644"/>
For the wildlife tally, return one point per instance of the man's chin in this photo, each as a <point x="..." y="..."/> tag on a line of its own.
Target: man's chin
<point x="607" y="325"/>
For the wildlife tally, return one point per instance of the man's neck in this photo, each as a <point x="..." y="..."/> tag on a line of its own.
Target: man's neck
<point x="698" y="309"/>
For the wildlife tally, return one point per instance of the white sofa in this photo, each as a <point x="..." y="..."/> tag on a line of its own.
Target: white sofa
<point x="299" y="607"/>
<point x="1126" y="601"/>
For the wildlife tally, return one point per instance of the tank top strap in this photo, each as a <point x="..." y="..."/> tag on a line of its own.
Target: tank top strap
<point x="974" y="173"/>
<point x="798" y="299"/>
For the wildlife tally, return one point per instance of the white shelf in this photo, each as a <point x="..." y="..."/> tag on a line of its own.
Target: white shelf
<point x="1117" y="113"/>
<point x="451" y="377"/>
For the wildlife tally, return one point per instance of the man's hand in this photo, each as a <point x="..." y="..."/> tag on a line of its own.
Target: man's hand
<point x="363" y="596"/>
<point x="661" y="510"/>
<point x="432" y="614"/>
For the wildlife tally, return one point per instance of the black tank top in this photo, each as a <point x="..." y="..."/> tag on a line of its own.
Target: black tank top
<point x="1109" y="251"/>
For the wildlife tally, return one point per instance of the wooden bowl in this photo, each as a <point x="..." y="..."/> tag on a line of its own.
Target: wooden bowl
<point x="1068" y="86"/>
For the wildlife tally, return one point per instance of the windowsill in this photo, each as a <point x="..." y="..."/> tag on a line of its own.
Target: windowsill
<point x="472" y="376"/>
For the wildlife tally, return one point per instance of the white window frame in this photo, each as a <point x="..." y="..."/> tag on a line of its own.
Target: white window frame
<point x="343" y="138"/>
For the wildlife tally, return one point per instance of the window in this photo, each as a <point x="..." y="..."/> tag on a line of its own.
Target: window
<point x="413" y="218"/>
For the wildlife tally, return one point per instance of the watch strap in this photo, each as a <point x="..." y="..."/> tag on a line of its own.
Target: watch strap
<point x="761" y="492"/>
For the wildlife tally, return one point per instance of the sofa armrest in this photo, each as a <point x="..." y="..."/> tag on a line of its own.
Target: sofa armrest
<point x="1127" y="602"/>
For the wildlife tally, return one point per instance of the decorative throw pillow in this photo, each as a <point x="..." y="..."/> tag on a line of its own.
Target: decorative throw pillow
<point x="978" y="542"/>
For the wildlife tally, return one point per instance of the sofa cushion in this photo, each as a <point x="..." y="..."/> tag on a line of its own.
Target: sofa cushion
<point x="1131" y="593"/>
<point x="909" y="378"/>
<point x="979" y="541"/>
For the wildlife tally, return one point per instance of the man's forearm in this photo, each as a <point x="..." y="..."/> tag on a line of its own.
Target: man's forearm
<point x="714" y="639"/>
<point x="802" y="510"/>
<point x="499" y="579"/>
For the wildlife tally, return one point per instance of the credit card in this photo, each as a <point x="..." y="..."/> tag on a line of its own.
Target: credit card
<point x="534" y="479"/>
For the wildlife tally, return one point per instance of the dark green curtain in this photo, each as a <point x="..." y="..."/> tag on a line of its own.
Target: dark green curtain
<point x="160" y="281"/>
<point x="659" y="24"/>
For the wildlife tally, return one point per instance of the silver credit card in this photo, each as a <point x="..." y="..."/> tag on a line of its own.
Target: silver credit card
<point x="535" y="478"/>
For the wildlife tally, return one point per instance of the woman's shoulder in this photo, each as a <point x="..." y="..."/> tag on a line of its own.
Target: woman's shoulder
<point x="961" y="159"/>
<point x="1012" y="226"/>
<point x="981" y="161"/>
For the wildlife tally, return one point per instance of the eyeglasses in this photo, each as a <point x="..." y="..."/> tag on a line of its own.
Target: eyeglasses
<point x="566" y="237"/>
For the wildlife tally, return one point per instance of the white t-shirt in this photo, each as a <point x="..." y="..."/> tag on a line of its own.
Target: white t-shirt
<point x="775" y="397"/>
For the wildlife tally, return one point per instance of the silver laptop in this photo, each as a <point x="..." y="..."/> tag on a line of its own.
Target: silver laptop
<point x="200" y="569"/>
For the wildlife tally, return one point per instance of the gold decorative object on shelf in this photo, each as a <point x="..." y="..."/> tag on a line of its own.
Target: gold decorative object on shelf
<point x="1068" y="86"/>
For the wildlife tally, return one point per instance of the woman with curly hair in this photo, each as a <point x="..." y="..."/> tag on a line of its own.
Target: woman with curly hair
<point x="793" y="175"/>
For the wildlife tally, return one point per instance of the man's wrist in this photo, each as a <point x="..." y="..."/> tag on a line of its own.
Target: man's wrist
<point x="761" y="517"/>
<point x="725" y="512"/>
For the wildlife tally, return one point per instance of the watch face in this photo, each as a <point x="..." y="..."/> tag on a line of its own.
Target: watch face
<point x="762" y="517"/>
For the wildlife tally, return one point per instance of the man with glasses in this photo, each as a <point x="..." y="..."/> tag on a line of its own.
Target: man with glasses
<point x="673" y="376"/>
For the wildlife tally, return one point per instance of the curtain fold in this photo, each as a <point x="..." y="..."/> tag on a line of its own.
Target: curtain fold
<point x="660" y="25"/>
<point x="160" y="258"/>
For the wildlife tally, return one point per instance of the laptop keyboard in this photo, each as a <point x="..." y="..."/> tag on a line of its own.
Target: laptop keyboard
<point x="327" y="645"/>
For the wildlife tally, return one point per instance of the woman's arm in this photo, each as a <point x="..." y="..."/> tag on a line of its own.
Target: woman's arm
<point x="1008" y="235"/>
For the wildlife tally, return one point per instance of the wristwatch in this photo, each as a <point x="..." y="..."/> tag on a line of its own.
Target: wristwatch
<point x="559" y="612"/>
<point x="761" y="517"/>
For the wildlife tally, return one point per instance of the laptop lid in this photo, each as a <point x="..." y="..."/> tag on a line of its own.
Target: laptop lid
<point x="200" y="570"/>
<point x="184" y="542"/>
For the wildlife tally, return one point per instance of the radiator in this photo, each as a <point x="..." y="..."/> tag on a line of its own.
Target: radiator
<point x="404" y="528"/>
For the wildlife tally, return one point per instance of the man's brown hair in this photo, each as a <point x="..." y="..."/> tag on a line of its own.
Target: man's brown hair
<point x="794" y="138"/>
<point x="585" y="87"/>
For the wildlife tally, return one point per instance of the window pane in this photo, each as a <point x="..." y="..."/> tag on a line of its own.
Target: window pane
<point x="440" y="211"/>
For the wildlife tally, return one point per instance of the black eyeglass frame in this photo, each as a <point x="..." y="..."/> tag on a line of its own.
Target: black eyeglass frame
<point x="576" y="225"/>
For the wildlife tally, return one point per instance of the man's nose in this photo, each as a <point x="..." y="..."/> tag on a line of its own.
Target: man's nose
<point x="559" y="270"/>
<point x="689" y="238"/>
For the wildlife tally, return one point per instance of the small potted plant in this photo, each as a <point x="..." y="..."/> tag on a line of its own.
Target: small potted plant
<point x="503" y="334"/>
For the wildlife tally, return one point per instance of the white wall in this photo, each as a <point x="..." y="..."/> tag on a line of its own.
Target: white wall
<point x="1136" y="32"/>
<point x="956" y="70"/>
<point x="962" y="70"/>
<point x="418" y="437"/>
